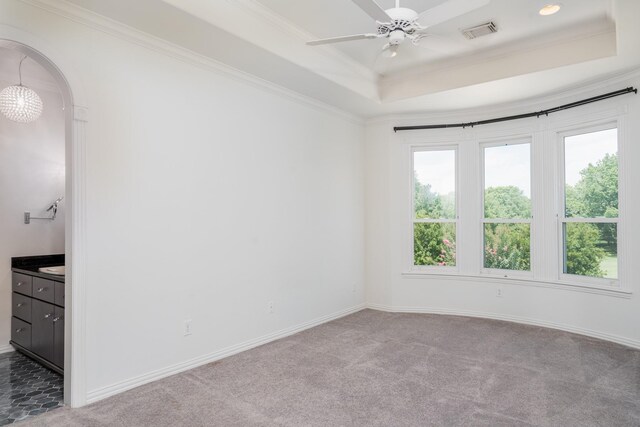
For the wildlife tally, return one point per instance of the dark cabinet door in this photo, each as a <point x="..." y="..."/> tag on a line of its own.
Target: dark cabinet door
<point x="58" y="337"/>
<point x="59" y="294"/>
<point x="42" y="315"/>
<point x="43" y="289"/>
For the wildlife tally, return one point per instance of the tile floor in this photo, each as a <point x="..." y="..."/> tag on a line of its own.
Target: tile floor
<point x="26" y="388"/>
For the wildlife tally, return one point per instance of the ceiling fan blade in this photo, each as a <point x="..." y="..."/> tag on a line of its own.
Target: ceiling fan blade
<point x="342" y="39"/>
<point x="373" y="10"/>
<point x="449" y="10"/>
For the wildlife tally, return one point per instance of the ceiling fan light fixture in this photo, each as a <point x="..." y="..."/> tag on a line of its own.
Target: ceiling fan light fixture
<point x="550" y="9"/>
<point x="396" y="37"/>
<point x="390" y="51"/>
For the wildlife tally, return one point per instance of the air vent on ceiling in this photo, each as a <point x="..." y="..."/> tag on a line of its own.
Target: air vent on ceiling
<point x="480" y="30"/>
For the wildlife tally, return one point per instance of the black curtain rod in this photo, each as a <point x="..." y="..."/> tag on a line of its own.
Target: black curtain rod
<point x="522" y="116"/>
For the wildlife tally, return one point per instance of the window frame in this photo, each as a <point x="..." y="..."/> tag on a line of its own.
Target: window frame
<point x="434" y="269"/>
<point x="547" y="172"/>
<point x="483" y="221"/>
<point x="561" y="218"/>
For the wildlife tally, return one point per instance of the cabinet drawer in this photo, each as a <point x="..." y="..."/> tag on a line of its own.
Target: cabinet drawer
<point x="21" y="333"/>
<point x="21" y="306"/>
<point x="43" y="289"/>
<point x="21" y="283"/>
<point x="59" y="294"/>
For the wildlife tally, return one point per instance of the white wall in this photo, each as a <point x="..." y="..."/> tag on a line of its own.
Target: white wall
<point x="608" y="315"/>
<point x="32" y="175"/>
<point x="208" y="197"/>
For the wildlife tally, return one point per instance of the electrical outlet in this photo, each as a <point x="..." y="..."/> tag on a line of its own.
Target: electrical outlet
<point x="187" y="327"/>
<point x="270" y="307"/>
<point x="499" y="292"/>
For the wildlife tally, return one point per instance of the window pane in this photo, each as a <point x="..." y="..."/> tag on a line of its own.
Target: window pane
<point x="591" y="249"/>
<point x="591" y="175"/>
<point x="507" y="246"/>
<point x="434" y="244"/>
<point x="507" y="181"/>
<point x="435" y="184"/>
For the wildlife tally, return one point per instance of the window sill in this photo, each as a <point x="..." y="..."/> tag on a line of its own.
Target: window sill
<point x="522" y="281"/>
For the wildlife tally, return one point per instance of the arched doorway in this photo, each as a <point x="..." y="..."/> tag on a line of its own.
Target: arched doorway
<point x="75" y="113"/>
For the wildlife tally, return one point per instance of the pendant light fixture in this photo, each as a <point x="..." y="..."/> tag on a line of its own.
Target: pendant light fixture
<point x="20" y="103"/>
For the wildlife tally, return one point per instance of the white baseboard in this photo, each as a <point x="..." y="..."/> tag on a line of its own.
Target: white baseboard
<point x="8" y="348"/>
<point x="111" y="390"/>
<point x="104" y="392"/>
<point x="516" y="319"/>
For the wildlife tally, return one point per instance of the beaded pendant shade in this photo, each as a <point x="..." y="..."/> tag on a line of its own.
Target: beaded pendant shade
<point x="19" y="103"/>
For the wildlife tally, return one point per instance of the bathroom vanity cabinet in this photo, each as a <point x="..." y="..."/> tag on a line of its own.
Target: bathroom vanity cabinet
<point x="37" y="323"/>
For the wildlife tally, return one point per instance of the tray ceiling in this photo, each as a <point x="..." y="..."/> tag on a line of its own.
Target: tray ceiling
<point x="529" y="56"/>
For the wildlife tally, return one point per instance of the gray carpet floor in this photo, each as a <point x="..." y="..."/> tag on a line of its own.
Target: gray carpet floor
<point x="381" y="369"/>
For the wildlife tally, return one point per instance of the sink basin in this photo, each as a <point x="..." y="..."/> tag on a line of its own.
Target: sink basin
<point x="57" y="270"/>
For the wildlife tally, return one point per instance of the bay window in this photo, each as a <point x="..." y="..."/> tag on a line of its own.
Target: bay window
<point x="538" y="206"/>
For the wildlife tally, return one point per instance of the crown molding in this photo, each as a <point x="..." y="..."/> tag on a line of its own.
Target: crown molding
<point x="534" y="103"/>
<point x="269" y="31"/>
<point x="280" y="23"/>
<point x="500" y="64"/>
<point x="132" y="35"/>
<point x="358" y="115"/>
<point x="597" y="27"/>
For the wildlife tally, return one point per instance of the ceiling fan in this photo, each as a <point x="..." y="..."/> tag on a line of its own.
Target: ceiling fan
<point x="400" y="23"/>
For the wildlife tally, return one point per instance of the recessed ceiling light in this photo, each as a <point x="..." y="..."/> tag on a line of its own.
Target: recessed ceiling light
<point x="549" y="9"/>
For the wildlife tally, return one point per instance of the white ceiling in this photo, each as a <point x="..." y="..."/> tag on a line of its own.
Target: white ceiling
<point x="516" y="20"/>
<point x="530" y="56"/>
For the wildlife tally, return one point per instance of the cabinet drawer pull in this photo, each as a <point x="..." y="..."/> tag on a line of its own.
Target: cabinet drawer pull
<point x="40" y="289"/>
<point x="19" y="330"/>
<point x="20" y="304"/>
<point x="19" y="284"/>
<point x="46" y="316"/>
<point x="55" y="319"/>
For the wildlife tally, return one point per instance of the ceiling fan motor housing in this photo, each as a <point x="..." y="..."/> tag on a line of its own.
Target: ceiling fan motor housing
<point x="402" y="23"/>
